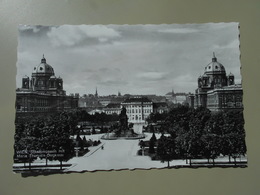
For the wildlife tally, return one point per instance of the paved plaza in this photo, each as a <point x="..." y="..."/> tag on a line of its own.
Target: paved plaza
<point x="120" y="154"/>
<point x="117" y="154"/>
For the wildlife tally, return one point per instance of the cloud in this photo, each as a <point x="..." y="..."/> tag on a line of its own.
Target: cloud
<point x="151" y="76"/>
<point x="234" y="44"/>
<point x="178" y="30"/>
<point x="113" y="82"/>
<point x="138" y="59"/>
<point x="34" y="29"/>
<point x="68" y="35"/>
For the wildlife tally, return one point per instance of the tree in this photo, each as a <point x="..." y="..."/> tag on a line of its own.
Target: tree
<point x="142" y="146"/>
<point x="79" y="142"/>
<point x="85" y="143"/>
<point x="93" y="130"/>
<point x="211" y="146"/>
<point x="153" y="138"/>
<point x="152" y="143"/>
<point x="151" y="128"/>
<point x="151" y="147"/>
<point x="166" y="149"/>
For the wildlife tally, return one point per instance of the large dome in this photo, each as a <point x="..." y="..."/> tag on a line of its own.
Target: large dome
<point x="43" y="68"/>
<point x="215" y="67"/>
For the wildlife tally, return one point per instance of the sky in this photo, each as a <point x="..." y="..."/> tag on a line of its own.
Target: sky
<point x="131" y="59"/>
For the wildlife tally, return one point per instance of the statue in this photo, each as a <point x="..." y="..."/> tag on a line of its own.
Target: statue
<point x="123" y="119"/>
<point x="123" y="129"/>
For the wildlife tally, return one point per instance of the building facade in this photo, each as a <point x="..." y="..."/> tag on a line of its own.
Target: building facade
<point x="138" y="109"/>
<point x="216" y="90"/>
<point x="113" y="108"/>
<point x="176" y="98"/>
<point x="43" y="92"/>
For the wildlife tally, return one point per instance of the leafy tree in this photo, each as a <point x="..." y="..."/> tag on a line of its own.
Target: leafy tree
<point x="166" y="149"/>
<point x="151" y="128"/>
<point x="84" y="140"/>
<point x="47" y="133"/>
<point x="93" y="130"/>
<point x="142" y="146"/>
<point x="79" y="141"/>
<point x="151" y="147"/>
<point x="211" y="146"/>
<point x="153" y="138"/>
<point x="155" y="117"/>
<point x="152" y="143"/>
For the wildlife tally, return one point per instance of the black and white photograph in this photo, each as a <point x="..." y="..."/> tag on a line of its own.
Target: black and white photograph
<point x="125" y="97"/>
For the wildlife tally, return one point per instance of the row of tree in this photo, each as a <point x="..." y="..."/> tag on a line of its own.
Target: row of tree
<point x="84" y="143"/>
<point x="198" y="133"/>
<point x="53" y="132"/>
<point x="43" y="134"/>
<point x="98" y="118"/>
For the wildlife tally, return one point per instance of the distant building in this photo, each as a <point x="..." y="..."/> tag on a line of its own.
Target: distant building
<point x="138" y="109"/>
<point x="43" y="92"/>
<point x="216" y="90"/>
<point x="113" y="108"/>
<point x="92" y="101"/>
<point x="104" y="101"/>
<point x="89" y="101"/>
<point x="94" y="111"/>
<point x="176" y="98"/>
<point x="160" y="107"/>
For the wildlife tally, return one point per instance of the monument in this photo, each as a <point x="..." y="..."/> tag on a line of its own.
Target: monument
<point x="122" y="130"/>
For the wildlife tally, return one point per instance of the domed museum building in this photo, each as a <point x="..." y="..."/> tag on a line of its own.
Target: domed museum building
<point x="43" y="92"/>
<point x="216" y="90"/>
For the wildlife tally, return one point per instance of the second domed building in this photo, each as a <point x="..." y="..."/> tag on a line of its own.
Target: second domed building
<point x="216" y="90"/>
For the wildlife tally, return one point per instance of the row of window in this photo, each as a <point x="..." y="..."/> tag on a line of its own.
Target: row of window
<point x="111" y="112"/>
<point x="37" y="102"/>
<point x="225" y="98"/>
<point x="137" y="118"/>
<point x="41" y="102"/>
<point x="138" y="111"/>
<point x="228" y="104"/>
<point x="138" y="106"/>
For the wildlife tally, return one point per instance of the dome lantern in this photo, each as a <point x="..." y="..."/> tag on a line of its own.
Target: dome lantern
<point x="214" y="59"/>
<point x="43" y="60"/>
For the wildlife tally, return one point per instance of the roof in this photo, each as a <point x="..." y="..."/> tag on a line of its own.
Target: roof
<point x="236" y="87"/>
<point x="169" y="93"/>
<point x="113" y="105"/>
<point x="215" y="67"/>
<point x="160" y="104"/>
<point x="43" y="68"/>
<point x="137" y="99"/>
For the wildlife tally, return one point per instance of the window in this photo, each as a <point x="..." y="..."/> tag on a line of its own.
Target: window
<point x="238" y="104"/>
<point x="40" y="83"/>
<point x="230" y="104"/>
